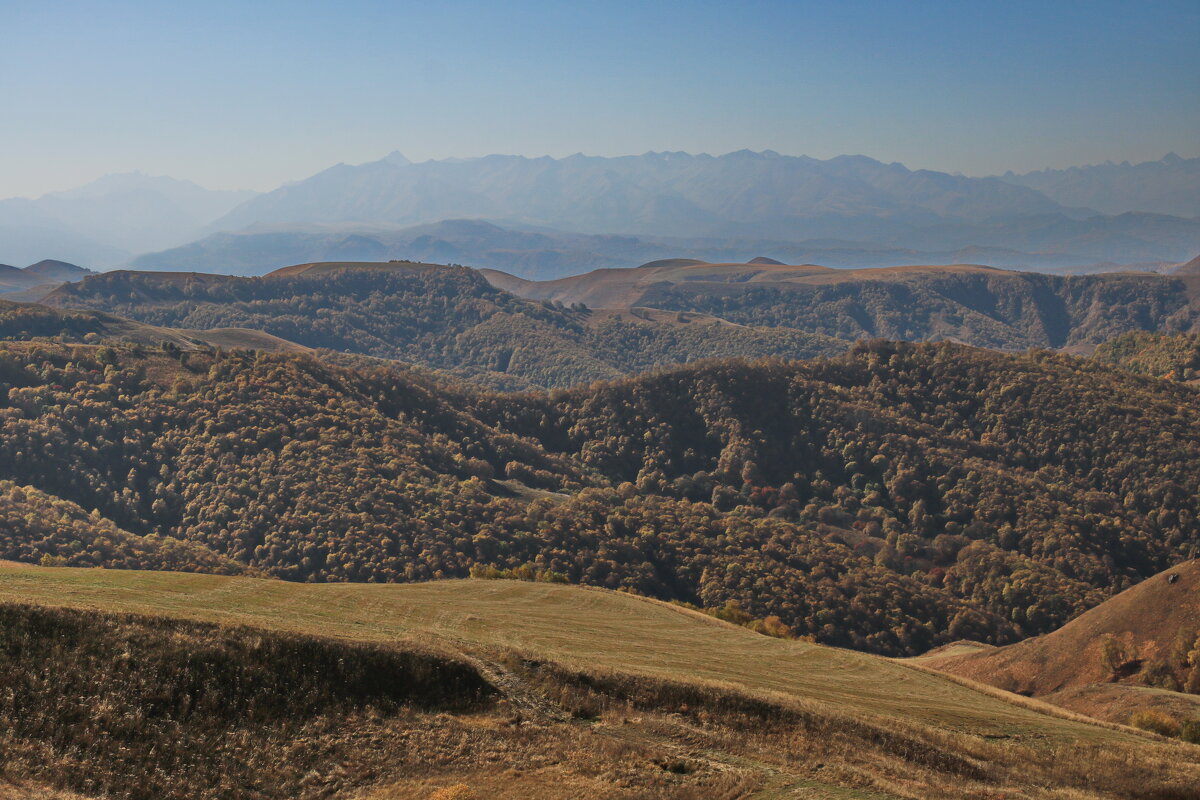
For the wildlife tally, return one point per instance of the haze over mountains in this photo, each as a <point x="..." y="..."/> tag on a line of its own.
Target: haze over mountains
<point x="546" y="218"/>
<point x="45" y="274"/>
<point x="1168" y="186"/>
<point x="107" y="221"/>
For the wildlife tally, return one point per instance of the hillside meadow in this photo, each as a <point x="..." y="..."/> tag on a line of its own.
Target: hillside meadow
<point x="531" y="690"/>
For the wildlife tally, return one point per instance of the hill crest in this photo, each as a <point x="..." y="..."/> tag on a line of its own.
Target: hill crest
<point x="1146" y="619"/>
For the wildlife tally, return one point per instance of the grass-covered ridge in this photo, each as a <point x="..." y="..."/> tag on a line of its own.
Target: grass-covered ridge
<point x="582" y="691"/>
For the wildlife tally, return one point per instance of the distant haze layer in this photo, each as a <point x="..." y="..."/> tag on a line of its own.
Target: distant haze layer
<point x="546" y="218"/>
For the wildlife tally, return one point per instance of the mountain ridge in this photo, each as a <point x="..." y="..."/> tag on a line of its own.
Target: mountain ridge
<point x="666" y="194"/>
<point x="46" y="273"/>
<point x="108" y="220"/>
<point x="1052" y="245"/>
<point x="1170" y="185"/>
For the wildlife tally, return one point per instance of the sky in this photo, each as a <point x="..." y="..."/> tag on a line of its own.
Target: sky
<point x="256" y="93"/>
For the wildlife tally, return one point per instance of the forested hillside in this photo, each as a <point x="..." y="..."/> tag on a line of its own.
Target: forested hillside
<point x="1160" y="355"/>
<point x="892" y="499"/>
<point x="977" y="305"/>
<point x="443" y="317"/>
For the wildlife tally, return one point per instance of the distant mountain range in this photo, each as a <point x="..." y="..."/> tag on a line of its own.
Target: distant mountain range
<point x="1054" y="244"/>
<point x="47" y="273"/>
<point x="544" y="254"/>
<point x="762" y="195"/>
<point x="545" y="218"/>
<point x="109" y="220"/>
<point x="1168" y="186"/>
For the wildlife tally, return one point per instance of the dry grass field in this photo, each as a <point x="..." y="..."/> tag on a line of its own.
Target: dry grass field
<point x="597" y="694"/>
<point x="621" y="288"/>
<point x="1066" y="668"/>
<point x="1146" y="618"/>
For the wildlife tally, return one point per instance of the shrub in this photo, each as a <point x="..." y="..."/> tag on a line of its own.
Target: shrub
<point x="1190" y="731"/>
<point x="1112" y="653"/>
<point x="1156" y="722"/>
<point x="1159" y="673"/>
<point x="1192" y="685"/>
<point x="773" y="626"/>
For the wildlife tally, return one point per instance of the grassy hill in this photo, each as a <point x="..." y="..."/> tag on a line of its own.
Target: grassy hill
<point x="982" y="306"/>
<point x="1109" y="661"/>
<point x="510" y="689"/>
<point x="447" y="318"/>
<point x="23" y="321"/>
<point x="46" y="274"/>
<point x="1191" y="267"/>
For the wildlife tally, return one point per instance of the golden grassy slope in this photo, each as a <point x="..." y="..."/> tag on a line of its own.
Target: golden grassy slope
<point x="327" y="267"/>
<point x="571" y="625"/>
<point x="1146" y="618"/>
<point x="621" y="288"/>
<point x="1015" y="747"/>
<point x="1065" y="667"/>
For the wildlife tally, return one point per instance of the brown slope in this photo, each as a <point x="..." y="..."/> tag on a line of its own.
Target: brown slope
<point x="1145" y="618"/>
<point x="1190" y="268"/>
<point x="326" y="267"/>
<point x="621" y="288"/>
<point x="50" y="270"/>
<point x="12" y="279"/>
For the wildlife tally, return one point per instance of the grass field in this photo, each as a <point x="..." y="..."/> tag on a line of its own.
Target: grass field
<point x="594" y="631"/>
<point x="580" y="627"/>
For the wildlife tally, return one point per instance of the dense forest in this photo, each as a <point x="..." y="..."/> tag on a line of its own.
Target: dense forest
<point x="28" y="320"/>
<point x="1160" y="355"/>
<point x="890" y="499"/>
<point x="448" y="318"/>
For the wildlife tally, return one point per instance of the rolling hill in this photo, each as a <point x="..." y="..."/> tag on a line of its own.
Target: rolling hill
<point x="982" y="306"/>
<point x="45" y="274"/>
<point x="474" y="323"/>
<point x="893" y="499"/>
<point x="1114" y="659"/>
<point x="447" y="318"/>
<point x="505" y="689"/>
<point x="1189" y="268"/>
<point x="23" y="321"/>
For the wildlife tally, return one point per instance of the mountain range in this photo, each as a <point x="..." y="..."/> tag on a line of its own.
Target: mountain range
<point x="1170" y="185"/>
<point x="109" y="220"/>
<point x="554" y="217"/>
<point x="668" y="194"/>
<point x="45" y="274"/>
<point x="545" y="254"/>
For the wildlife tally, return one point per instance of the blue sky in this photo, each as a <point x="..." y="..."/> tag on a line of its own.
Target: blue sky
<point x="252" y="94"/>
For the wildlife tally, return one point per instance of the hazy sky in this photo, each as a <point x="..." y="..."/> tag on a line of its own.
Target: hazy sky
<point x="254" y="93"/>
